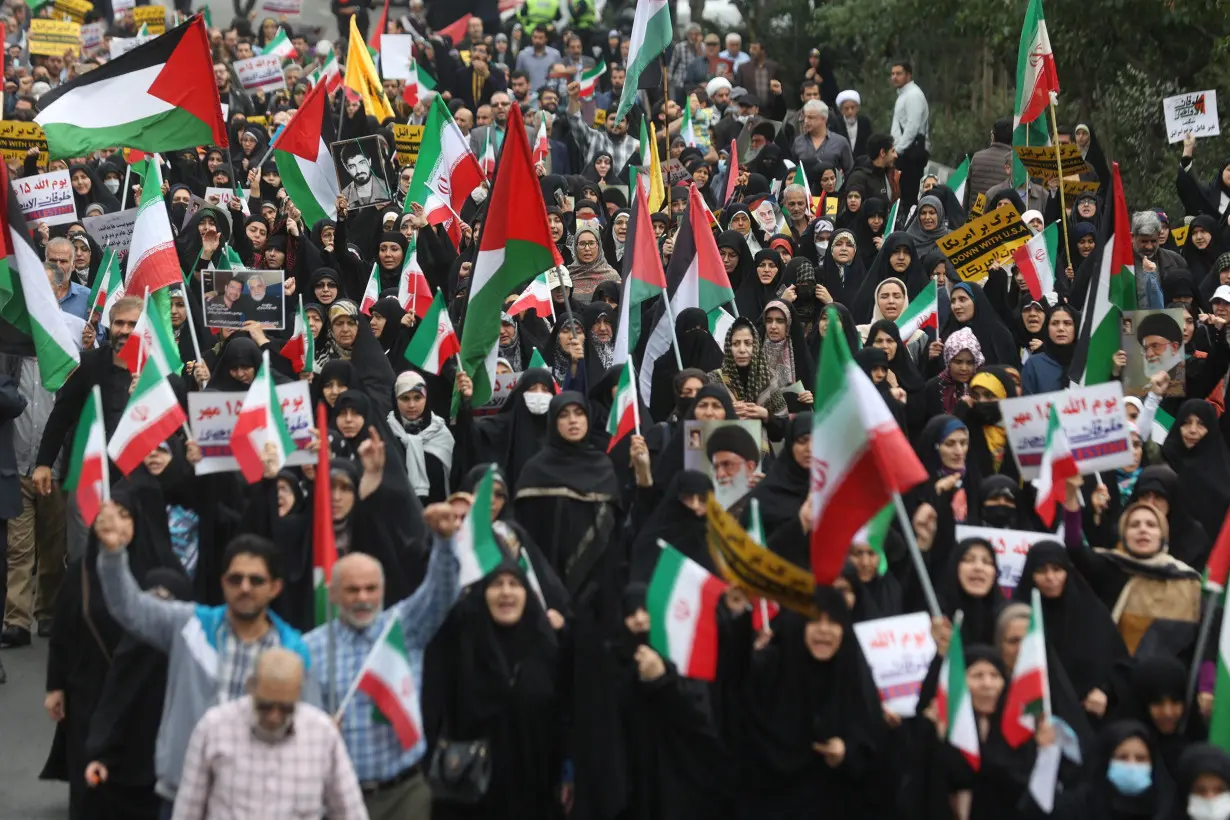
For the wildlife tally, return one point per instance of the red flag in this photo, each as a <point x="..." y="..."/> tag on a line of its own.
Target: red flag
<point x="456" y="30"/>
<point x="732" y="179"/>
<point x="380" y="27"/>
<point x="1218" y="567"/>
<point x="324" y="548"/>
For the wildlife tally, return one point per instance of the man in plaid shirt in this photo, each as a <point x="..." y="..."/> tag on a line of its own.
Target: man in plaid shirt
<point x="268" y="754"/>
<point x="391" y="777"/>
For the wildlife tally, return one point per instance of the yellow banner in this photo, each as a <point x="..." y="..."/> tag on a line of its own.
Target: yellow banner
<point x="1040" y="161"/>
<point x="1075" y="187"/>
<point x="1180" y="234"/>
<point x="153" y="16"/>
<point x="976" y="244"/>
<point x="51" y="38"/>
<point x="407" y="139"/>
<point x="362" y="77"/>
<point x="17" y="138"/>
<point x="76" y="9"/>
<point x="762" y="573"/>
<point x="980" y="205"/>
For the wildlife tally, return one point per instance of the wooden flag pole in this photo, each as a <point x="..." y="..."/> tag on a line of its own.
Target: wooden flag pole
<point x="1063" y="205"/>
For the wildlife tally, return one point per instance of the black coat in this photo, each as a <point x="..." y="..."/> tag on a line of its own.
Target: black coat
<point x="12" y="405"/>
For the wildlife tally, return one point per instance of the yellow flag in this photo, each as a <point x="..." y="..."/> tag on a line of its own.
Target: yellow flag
<point x="362" y="77"/>
<point x="656" y="193"/>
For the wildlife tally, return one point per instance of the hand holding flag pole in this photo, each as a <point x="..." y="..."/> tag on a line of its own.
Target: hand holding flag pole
<point x="920" y="567"/>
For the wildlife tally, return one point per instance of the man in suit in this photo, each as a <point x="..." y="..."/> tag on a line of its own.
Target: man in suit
<point x="851" y="124"/>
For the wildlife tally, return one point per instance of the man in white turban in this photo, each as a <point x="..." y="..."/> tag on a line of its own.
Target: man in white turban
<point x="852" y="125"/>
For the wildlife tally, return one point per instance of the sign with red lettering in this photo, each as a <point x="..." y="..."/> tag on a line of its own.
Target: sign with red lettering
<point x="212" y="418"/>
<point x="1093" y="419"/>
<point x="1011" y="547"/>
<point x="899" y="650"/>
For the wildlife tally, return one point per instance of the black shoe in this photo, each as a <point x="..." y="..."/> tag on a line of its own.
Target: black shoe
<point x="14" y="636"/>
<point x="44" y="627"/>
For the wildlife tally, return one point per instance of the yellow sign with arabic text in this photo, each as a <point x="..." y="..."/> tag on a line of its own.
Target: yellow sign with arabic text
<point x="1041" y="163"/>
<point x="976" y="244"/>
<point x="153" y="16"/>
<point x="17" y="138"/>
<point x="51" y="38"/>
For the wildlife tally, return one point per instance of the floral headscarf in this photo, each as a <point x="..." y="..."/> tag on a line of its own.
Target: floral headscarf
<point x="951" y="390"/>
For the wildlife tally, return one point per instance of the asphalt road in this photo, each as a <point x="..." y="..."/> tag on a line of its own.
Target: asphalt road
<point x="25" y="737"/>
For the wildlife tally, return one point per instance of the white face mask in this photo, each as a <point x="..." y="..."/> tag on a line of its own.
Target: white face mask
<point x="742" y="118"/>
<point x="822" y="249"/>
<point x="537" y="403"/>
<point x="1209" y="808"/>
<point x="112" y="185"/>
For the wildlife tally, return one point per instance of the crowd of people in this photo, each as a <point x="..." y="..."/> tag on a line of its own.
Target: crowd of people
<point x="189" y="674"/>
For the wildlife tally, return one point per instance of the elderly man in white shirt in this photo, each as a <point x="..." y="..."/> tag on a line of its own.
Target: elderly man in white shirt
<point x="911" y="121"/>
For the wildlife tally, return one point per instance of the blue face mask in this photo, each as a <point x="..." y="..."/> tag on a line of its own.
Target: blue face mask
<point x="1129" y="778"/>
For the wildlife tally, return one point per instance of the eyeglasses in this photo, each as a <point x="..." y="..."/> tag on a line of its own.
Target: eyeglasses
<point x="500" y="104"/>
<point x="235" y="579"/>
<point x="264" y="707"/>
<point x="587" y="244"/>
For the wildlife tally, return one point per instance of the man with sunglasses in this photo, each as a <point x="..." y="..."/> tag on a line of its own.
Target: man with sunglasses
<point x="212" y="650"/>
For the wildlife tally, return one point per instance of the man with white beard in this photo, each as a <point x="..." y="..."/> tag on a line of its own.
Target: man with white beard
<point x="734" y="457"/>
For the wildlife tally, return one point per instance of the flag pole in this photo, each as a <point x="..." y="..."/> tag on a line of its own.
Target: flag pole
<point x="106" y="460"/>
<point x="1202" y="643"/>
<point x="1063" y="205"/>
<point x="920" y="567"/>
<point x="127" y="177"/>
<point x="636" y="399"/>
<point x="670" y="317"/>
<point x="196" y="345"/>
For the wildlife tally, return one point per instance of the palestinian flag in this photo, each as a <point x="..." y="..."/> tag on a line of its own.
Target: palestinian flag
<point x="1029" y="692"/>
<point x="957" y="179"/>
<point x="280" y="46"/>
<point x="1036" y="78"/>
<point x="300" y="349"/>
<point x="153" y="336"/>
<point x="106" y="281"/>
<point x="371" y="294"/>
<point x="686" y="130"/>
<point x="413" y="292"/>
<point x="516" y="246"/>
<point x="625" y="415"/>
<point x="388" y="679"/>
<point x="160" y="96"/>
<point x="860" y="457"/>
<point x="922" y="312"/>
<point x="456" y="30"/>
<point x="152" y="415"/>
<point x="445" y="165"/>
<point x="361" y="76"/>
<point x="682" y="601"/>
<point x="1057" y="467"/>
<point x="302" y="155"/>
<point x="88" y="464"/>
<point x="644" y="278"/>
<point x="153" y="262"/>
<point x="589" y="79"/>
<point x="536" y="297"/>
<point x="324" y="548"/>
<point x="542" y="143"/>
<point x="955" y="708"/>
<point x="475" y="546"/>
<point x="651" y="34"/>
<point x="435" y="342"/>
<point x="1036" y="261"/>
<point x="1112" y="289"/>
<point x="260" y="422"/>
<point x="329" y="75"/>
<point x="27" y="301"/>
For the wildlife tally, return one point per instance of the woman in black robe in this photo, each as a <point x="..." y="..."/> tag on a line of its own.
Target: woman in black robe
<point x="911" y="272"/>
<point x="509" y="438"/>
<point x="679" y="520"/>
<point x="763" y="286"/>
<point x="784" y="488"/>
<point x="842" y="281"/>
<point x="873" y="213"/>
<point x="92" y="190"/>
<point x="998" y="346"/>
<point x="885" y="335"/>
<point x="498" y="660"/>
<point x="1198" y="454"/>
<point x="1202" y="783"/>
<point x="697" y="349"/>
<point x="741" y="268"/>
<point x="393" y="336"/>
<point x="1159" y="486"/>
<point x="971" y="584"/>
<point x="1153" y="690"/>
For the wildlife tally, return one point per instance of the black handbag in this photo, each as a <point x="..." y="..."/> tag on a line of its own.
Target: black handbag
<point x="460" y="771"/>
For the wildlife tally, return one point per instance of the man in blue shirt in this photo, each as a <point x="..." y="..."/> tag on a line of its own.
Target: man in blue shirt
<point x="73" y="297"/>
<point x="391" y="776"/>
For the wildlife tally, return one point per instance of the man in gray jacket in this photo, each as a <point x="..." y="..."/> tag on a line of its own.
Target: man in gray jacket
<point x="986" y="167"/>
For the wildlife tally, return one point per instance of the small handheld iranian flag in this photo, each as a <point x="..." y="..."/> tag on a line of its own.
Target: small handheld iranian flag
<point x="371" y="294"/>
<point x="1029" y="695"/>
<point x="625" y="413"/>
<point x="413" y="292"/>
<point x="153" y="336"/>
<point x="152" y="414"/>
<point x="1162" y="422"/>
<point x="682" y="601"/>
<point x="536" y="297"/>
<point x="1057" y="467"/>
<point x="435" y="342"/>
<point x="542" y="143"/>
<point x="589" y="79"/>
<point x="324" y="547"/>
<point x="1036" y="261"/>
<point x="388" y="679"/>
<point x="108" y="279"/>
<point x="475" y="546"/>
<point x="88" y="465"/>
<point x="260" y="422"/>
<point x="281" y="46"/>
<point x="957" y="179"/>
<point x="763" y="610"/>
<point x="953" y="703"/>
<point x="685" y="128"/>
<point x="487" y="161"/>
<point x="300" y="349"/>
<point x="922" y="312"/>
<point x="874" y="533"/>
<point x="800" y="178"/>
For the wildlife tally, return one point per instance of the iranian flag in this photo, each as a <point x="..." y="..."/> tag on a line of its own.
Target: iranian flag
<point x="860" y="458"/>
<point x="153" y="336"/>
<point x="445" y="166"/>
<point x="413" y="292"/>
<point x="957" y="179"/>
<point x="644" y="278"/>
<point x="475" y="546"/>
<point x="625" y="415"/>
<point x="152" y="260"/>
<point x="152" y="414"/>
<point x="280" y="46"/>
<point x="388" y="679"/>
<point x="1057" y="467"/>
<point x="27" y="301"/>
<point x="486" y="162"/>
<point x="324" y="548"/>
<point x="329" y="74"/>
<point x="542" y="144"/>
<point x="302" y="155"/>
<point x="1036" y="78"/>
<point x="516" y="246"/>
<point x="107" y="281"/>
<point x="953" y="703"/>
<point x="160" y="96"/>
<point x="651" y="34"/>
<point x="1112" y="289"/>
<point x="1029" y="692"/>
<point x="1036" y="261"/>
<point x="536" y="297"/>
<point x="682" y="600"/>
<point x="686" y="130"/>
<point x="435" y="342"/>
<point x="890" y="221"/>
<point x="371" y="294"/>
<point x="874" y="533"/>
<point x="589" y="79"/>
<point x="88" y="464"/>
<point x="922" y="312"/>
<point x="411" y="94"/>
<point x="300" y="349"/>
<point x="696" y="277"/>
<point x="260" y="423"/>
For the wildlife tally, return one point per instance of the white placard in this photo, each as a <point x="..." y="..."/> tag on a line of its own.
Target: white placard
<point x="899" y="651"/>
<point x="112" y="229"/>
<point x="118" y="6"/>
<point x="395" y="51"/>
<point x="1011" y="547"/>
<point x="46" y="198"/>
<point x="212" y="418"/>
<point x="92" y="34"/>
<point x="1092" y="417"/>
<point x="122" y="45"/>
<point x="262" y="73"/>
<point x="501" y="389"/>
<point x="287" y="7"/>
<point x="1194" y="113"/>
<point x="219" y="196"/>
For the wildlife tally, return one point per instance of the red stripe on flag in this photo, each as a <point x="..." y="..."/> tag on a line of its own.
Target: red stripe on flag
<point x="627" y="424"/>
<point x="88" y="498"/>
<point x="702" y="664"/>
<point x="154" y="434"/>
<point x="1021" y="693"/>
<point x="251" y="462"/>
<point x="389" y="704"/>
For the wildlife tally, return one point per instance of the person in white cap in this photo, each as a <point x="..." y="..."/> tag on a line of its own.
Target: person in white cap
<point x="425" y="436"/>
<point x="1034" y="220"/>
<point x="718" y="90"/>
<point x="852" y="125"/>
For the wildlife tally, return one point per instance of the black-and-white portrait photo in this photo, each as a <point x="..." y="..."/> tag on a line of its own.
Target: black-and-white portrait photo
<point x="361" y="166"/>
